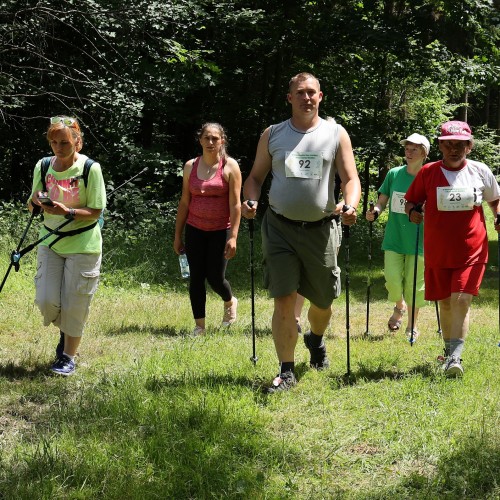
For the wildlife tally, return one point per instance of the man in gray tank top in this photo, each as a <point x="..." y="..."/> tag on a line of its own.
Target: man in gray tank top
<point x="299" y="236"/>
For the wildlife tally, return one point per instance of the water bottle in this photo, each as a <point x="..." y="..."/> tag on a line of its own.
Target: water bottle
<point x="183" y="262"/>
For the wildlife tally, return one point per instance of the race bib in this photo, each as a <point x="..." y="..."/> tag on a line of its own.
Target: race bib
<point x="453" y="199"/>
<point x="398" y="202"/>
<point x="303" y="165"/>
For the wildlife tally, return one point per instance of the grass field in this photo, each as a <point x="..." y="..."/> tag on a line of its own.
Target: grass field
<point x="154" y="413"/>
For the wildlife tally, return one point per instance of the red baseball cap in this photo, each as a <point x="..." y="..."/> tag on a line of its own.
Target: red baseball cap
<point x="455" y="130"/>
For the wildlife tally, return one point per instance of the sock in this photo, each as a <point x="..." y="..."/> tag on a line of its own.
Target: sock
<point x="456" y="346"/>
<point x="315" y="340"/>
<point x="70" y="357"/>
<point x="287" y="366"/>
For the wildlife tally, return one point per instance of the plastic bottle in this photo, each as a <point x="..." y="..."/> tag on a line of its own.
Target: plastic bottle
<point x="183" y="262"/>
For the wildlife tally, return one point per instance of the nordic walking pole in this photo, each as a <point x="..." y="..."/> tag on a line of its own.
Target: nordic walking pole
<point x="126" y="182"/>
<point x="438" y="318"/>
<point x="15" y="255"/>
<point x="418" y="209"/>
<point x="254" y="358"/>
<point x="497" y="222"/>
<point x="369" y="283"/>
<point x="345" y="231"/>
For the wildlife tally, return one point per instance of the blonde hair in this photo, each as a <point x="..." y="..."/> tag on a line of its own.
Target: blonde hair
<point x="300" y="77"/>
<point x="74" y="129"/>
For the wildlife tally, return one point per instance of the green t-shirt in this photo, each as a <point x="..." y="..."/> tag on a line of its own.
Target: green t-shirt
<point x="400" y="234"/>
<point x="68" y="187"/>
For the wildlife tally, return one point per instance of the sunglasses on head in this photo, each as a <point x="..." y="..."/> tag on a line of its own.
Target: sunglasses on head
<point x="66" y="120"/>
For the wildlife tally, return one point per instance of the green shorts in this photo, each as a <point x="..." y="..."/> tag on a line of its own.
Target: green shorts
<point x="302" y="259"/>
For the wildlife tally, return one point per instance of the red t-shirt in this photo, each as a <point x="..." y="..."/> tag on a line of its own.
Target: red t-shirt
<point x="209" y="205"/>
<point x="452" y="239"/>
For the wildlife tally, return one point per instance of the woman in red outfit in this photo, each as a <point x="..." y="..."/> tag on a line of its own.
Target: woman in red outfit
<point x="455" y="239"/>
<point x="209" y="211"/>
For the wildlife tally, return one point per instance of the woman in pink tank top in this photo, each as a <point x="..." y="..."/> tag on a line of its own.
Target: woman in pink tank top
<point x="209" y="216"/>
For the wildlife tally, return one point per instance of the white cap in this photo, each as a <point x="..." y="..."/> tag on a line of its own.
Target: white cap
<point x="417" y="139"/>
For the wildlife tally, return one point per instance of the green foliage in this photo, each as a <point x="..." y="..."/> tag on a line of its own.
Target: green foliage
<point x="142" y="76"/>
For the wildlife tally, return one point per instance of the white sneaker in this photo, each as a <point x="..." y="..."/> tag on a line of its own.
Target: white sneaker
<point x="230" y="313"/>
<point x="198" y="330"/>
<point x="453" y="367"/>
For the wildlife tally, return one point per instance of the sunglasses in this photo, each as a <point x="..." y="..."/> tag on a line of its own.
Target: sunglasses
<point x="62" y="119"/>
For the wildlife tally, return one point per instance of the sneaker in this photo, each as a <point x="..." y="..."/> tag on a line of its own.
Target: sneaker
<point x="282" y="382"/>
<point x="319" y="359"/>
<point x="198" y="330"/>
<point x="64" y="365"/>
<point x="60" y="346"/>
<point x="453" y="367"/>
<point x="230" y="313"/>
<point x="416" y="334"/>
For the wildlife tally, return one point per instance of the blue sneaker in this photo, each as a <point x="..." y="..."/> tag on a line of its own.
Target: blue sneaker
<point x="60" y="346"/>
<point x="64" y="365"/>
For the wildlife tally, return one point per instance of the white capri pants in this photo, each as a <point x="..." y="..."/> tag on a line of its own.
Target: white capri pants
<point x="65" y="285"/>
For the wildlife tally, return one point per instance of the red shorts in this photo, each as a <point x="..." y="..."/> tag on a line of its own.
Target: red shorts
<point x="441" y="283"/>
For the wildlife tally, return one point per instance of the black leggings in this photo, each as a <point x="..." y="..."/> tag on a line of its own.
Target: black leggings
<point x="205" y="254"/>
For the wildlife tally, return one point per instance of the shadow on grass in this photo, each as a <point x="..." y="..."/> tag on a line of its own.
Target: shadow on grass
<point x="260" y="385"/>
<point x="13" y="371"/>
<point x="171" y="331"/>
<point x="469" y="471"/>
<point x="183" y="443"/>
<point x="364" y="373"/>
<point x="189" y="379"/>
<point x="163" y="331"/>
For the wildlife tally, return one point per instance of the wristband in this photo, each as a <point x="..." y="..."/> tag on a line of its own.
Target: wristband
<point x="71" y="214"/>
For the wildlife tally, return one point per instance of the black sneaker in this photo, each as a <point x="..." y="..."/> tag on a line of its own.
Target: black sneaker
<point x="60" y="346"/>
<point x="282" y="382"/>
<point x="319" y="359"/>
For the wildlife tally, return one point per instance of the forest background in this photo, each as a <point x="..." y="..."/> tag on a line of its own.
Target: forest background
<point x="154" y="413"/>
<point x="143" y="76"/>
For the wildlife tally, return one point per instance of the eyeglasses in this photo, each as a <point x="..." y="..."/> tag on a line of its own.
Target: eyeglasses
<point x="66" y="120"/>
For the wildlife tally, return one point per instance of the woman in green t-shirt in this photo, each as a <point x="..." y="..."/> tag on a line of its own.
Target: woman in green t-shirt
<point x="400" y="235"/>
<point x="67" y="264"/>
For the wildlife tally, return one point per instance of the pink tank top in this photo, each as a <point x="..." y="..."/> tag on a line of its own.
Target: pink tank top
<point x="209" y="205"/>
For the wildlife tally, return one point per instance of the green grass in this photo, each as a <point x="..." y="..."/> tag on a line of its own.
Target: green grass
<point x="154" y="413"/>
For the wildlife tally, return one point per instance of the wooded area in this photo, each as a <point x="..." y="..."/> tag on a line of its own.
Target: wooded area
<point x="142" y="76"/>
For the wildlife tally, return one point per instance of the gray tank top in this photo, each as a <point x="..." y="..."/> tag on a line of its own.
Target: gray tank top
<point x="303" y="171"/>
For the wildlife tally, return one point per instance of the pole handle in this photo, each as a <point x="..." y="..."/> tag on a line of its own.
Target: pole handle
<point x="345" y="228"/>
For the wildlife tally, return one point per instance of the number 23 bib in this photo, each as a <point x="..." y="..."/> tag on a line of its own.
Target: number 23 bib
<point x="453" y="199"/>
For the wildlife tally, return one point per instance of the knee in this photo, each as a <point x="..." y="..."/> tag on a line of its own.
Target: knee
<point x="320" y="312"/>
<point x="445" y="306"/>
<point x="463" y="301"/>
<point x="47" y="307"/>
<point x="284" y="305"/>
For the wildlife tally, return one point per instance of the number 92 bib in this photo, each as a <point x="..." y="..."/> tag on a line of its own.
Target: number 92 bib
<point x="303" y="165"/>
